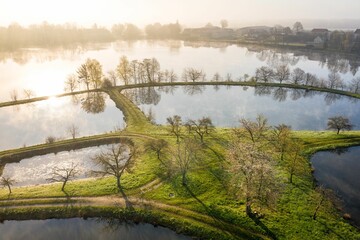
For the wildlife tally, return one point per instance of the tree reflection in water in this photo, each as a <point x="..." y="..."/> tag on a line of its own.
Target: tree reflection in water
<point x="147" y="95"/>
<point x="194" y="89"/>
<point x="94" y="102"/>
<point x="280" y="94"/>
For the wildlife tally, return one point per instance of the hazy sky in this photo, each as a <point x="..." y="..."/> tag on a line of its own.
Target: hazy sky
<point x="107" y="12"/>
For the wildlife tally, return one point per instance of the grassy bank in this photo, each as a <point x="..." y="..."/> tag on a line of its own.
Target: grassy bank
<point x="204" y="203"/>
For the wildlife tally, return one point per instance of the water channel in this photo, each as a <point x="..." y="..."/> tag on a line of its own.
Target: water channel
<point x="77" y="228"/>
<point x="339" y="171"/>
<point x="225" y="106"/>
<point x="44" y="70"/>
<point x="31" y="124"/>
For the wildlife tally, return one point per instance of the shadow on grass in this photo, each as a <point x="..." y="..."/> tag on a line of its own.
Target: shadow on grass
<point x="263" y="226"/>
<point x="229" y="228"/>
<point x="330" y="230"/>
<point x="128" y="204"/>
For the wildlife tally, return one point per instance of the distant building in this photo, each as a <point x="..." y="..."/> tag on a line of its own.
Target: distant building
<point x="318" y="43"/>
<point x="321" y="32"/>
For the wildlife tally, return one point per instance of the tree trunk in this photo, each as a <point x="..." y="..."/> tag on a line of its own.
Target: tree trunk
<point x="9" y="188"/>
<point x="291" y="178"/>
<point x="248" y="208"/>
<point x="184" y="183"/>
<point x="338" y="130"/>
<point x="318" y="207"/>
<point x="63" y="186"/>
<point x="118" y="183"/>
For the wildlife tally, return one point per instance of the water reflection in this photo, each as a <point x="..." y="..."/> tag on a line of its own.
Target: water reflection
<point x="94" y="102"/>
<point x="299" y="108"/>
<point x="339" y="171"/>
<point x="36" y="170"/>
<point x="146" y="95"/>
<point x="77" y="228"/>
<point x="45" y="70"/>
<point x="32" y="123"/>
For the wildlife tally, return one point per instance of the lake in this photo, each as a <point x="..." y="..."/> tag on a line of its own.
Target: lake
<point x="339" y="171"/>
<point x="30" y="124"/>
<point x="225" y="106"/>
<point x="78" y="228"/>
<point x="36" y="170"/>
<point x="45" y="70"/>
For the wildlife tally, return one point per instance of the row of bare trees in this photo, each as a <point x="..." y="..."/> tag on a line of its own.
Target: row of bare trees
<point x="298" y="76"/>
<point x="27" y="94"/>
<point x="90" y="76"/>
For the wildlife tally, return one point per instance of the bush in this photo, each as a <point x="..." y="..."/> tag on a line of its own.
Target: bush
<point x="50" y="139"/>
<point x="107" y="83"/>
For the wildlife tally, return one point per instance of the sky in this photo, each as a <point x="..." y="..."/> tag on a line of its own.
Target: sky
<point x="187" y="12"/>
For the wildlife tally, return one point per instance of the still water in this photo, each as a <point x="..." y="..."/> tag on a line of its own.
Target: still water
<point x="339" y="171"/>
<point x="225" y="106"/>
<point x="77" y="228"/>
<point x="45" y="70"/>
<point x="36" y="170"/>
<point x="31" y="124"/>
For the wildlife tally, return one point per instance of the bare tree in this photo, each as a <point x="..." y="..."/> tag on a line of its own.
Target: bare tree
<point x="112" y="77"/>
<point x="253" y="174"/>
<point x="90" y="73"/>
<point x="355" y="85"/>
<point x="282" y="73"/>
<point x="264" y="74"/>
<point x="322" y="198"/>
<point x="281" y="138"/>
<point x="185" y="156"/>
<point x="217" y="77"/>
<point x="115" y="161"/>
<point x="28" y="93"/>
<point x="7" y="182"/>
<point x="295" y="161"/>
<point x="175" y="123"/>
<point x="311" y="80"/>
<point x="201" y="127"/>
<point x="192" y="74"/>
<point x="298" y="76"/>
<point x="151" y="68"/>
<point x="170" y="76"/>
<point x="339" y="123"/>
<point x="159" y="146"/>
<point x="224" y="23"/>
<point x="335" y="81"/>
<point x="71" y="83"/>
<point x="254" y="131"/>
<point x="73" y="130"/>
<point x="64" y="175"/>
<point x="14" y="95"/>
<point x="124" y="70"/>
<point x="229" y="77"/>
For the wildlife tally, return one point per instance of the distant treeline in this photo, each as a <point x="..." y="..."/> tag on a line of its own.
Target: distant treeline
<point x="45" y="34"/>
